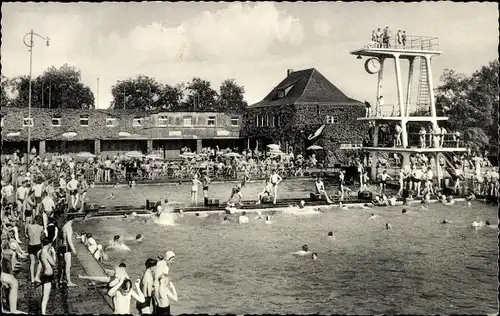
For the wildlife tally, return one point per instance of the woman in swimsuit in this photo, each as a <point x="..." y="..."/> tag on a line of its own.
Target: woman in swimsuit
<point x="205" y="181"/>
<point x="83" y="191"/>
<point x="194" y="189"/>
<point x="342" y="183"/>
<point x="47" y="257"/>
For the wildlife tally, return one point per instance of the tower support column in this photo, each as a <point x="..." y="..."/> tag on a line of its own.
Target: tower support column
<point x="410" y="82"/>
<point x="373" y="173"/>
<point x="378" y="110"/>
<point x="431" y="91"/>
<point x="402" y="111"/>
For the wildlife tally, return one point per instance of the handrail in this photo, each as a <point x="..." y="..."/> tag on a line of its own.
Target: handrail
<point x="424" y="43"/>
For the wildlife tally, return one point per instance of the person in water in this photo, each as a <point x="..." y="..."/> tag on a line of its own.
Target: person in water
<point x="320" y="189"/>
<point x="304" y="252"/>
<point x="122" y="293"/>
<point x="268" y="220"/>
<point x="147" y="283"/>
<point x="314" y="256"/>
<point x="243" y="219"/>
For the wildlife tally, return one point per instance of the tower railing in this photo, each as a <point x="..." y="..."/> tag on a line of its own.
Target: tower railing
<point x="387" y="140"/>
<point x="412" y="42"/>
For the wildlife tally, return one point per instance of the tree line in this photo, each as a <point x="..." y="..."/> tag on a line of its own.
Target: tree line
<point x="59" y="88"/>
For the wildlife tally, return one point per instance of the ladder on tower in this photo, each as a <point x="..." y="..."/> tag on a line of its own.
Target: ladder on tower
<point x="423" y="99"/>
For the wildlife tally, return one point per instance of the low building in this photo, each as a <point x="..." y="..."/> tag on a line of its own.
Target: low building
<point x="106" y="132"/>
<point x="299" y="105"/>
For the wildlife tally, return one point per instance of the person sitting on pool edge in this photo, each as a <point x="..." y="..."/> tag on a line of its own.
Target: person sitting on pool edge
<point x="267" y="192"/>
<point x="320" y="189"/>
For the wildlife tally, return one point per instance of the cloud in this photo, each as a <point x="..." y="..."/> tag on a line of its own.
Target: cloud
<point x="321" y="27"/>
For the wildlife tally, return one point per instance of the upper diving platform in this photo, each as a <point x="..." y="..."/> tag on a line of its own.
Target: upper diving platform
<point x="412" y="46"/>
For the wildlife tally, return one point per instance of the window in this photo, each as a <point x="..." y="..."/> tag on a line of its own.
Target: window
<point x="162" y="121"/>
<point x="267" y="119"/>
<point x="257" y="120"/>
<point x="281" y="94"/>
<point x="350" y="146"/>
<point x="137" y="121"/>
<point x="211" y="121"/>
<point x="273" y="122"/>
<point x="187" y="121"/>
<point x="288" y="89"/>
<point x="84" y="120"/>
<point x="56" y="121"/>
<point x="27" y="121"/>
<point x="234" y="121"/>
<point x="111" y="121"/>
<point x="2" y="122"/>
<point x="279" y="121"/>
<point x="331" y="119"/>
<point x="262" y="120"/>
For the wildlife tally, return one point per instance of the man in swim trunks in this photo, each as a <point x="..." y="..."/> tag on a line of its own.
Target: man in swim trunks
<point x="21" y="194"/>
<point x="37" y="190"/>
<point x="275" y="179"/>
<point x="72" y="187"/>
<point x="163" y="293"/>
<point x="34" y="232"/>
<point x="65" y="249"/>
<point x="320" y="189"/>
<point x="47" y="257"/>
<point x="205" y="180"/>
<point x="122" y="293"/>
<point x="147" y="283"/>
<point x="83" y="191"/>
<point x="383" y="180"/>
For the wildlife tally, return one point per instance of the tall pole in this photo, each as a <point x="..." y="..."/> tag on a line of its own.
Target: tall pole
<point x="97" y="98"/>
<point x="124" y="97"/>
<point x="50" y="93"/>
<point x="30" y="46"/>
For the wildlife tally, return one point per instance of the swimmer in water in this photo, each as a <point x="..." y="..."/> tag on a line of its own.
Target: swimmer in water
<point x="372" y="216"/>
<point x="224" y="220"/>
<point x="403" y="211"/>
<point x="268" y="220"/>
<point x="342" y="206"/>
<point x="243" y="219"/>
<point x="304" y="252"/>
<point x="331" y="236"/>
<point x="117" y="243"/>
<point x="302" y="204"/>
<point x="314" y="256"/>
<point x="388" y="226"/>
<point x="138" y="238"/>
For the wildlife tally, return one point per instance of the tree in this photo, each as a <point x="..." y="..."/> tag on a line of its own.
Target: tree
<point x="471" y="102"/>
<point x="4" y="99"/>
<point x="55" y="88"/>
<point x="200" y="96"/>
<point x="144" y="93"/>
<point x="231" y="98"/>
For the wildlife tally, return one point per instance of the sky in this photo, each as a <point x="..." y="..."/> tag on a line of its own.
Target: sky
<point x="254" y="43"/>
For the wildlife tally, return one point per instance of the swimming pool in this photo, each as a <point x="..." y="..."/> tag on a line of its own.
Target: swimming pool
<point x="420" y="266"/>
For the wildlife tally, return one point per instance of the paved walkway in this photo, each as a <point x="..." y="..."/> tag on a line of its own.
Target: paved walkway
<point x="83" y="299"/>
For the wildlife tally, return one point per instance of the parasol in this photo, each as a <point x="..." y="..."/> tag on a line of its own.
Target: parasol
<point x="134" y="154"/>
<point x="236" y="155"/>
<point x="124" y="134"/>
<point x="273" y="146"/>
<point x="69" y="135"/>
<point x="85" y="154"/>
<point x="187" y="155"/>
<point x="154" y="157"/>
<point x="13" y="134"/>
<point x="314" y="147"/>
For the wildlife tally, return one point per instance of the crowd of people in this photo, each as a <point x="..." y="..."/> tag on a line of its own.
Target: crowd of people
<point x="382" y="38"/>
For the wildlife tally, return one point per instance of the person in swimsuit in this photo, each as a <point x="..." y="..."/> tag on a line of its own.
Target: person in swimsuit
<point x="205" y="180"/>
<point x="236" y="191"/>
<point x="8" y="279"/>
<point x="417" y="179"/>
<point x="37" y="190"/>
<point x="83" y="192"/>
<point x="34" y="232"/>
<point x="21" y="194"/>
<point x="65" y="249"/>
<point x="268" y="189"/>
<point x="275" y="179"/>
<point x="72" y="187"/>
<point x="163" y="294"/>
<point x="147" y="283"/>
<point x="47" y="257"/>
<point x="383" y="181"/>
<point x="320" y="189"/>
<point x="342" y="183"/>
<point x="194" y="189"/>
<point x="122" y="292"/>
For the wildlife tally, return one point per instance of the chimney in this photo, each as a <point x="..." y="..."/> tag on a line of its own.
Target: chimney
<point x="288" y="72"/>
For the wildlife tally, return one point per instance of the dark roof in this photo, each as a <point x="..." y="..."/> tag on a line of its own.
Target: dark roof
<point x="309" y="87"/>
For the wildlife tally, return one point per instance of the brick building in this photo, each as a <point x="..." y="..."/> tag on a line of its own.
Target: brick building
<point x="297" y="107"/>
<point x="107" y="132"/>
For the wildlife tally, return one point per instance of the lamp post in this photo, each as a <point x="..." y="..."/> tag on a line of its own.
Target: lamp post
<point x="30" y="45"/>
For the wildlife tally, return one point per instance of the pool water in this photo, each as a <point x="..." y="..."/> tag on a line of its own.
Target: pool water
<point x="420" y="266"/>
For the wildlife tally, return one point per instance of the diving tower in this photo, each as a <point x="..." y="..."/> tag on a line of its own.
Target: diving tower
<point x="380" y="55"/>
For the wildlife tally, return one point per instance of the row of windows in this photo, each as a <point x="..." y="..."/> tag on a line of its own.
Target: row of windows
<point x="272" y="121"/>
<point x="137" y="122"/>
<point x="351" y="146"/>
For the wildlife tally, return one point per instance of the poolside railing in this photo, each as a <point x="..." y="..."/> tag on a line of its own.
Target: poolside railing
<point x="412" y="42"/>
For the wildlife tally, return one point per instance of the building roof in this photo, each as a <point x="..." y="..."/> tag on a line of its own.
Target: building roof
<point x="307" y="86"/>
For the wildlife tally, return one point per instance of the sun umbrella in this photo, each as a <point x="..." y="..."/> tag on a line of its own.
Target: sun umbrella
<point x="314" y="147"/>
<point x="154" y="157"/>
<point x="134" y="154"/>
<point x="273" y="146"/>
<point x="13" y="134"/>
<point x="69" y="135"/>
<point x="276" y="153"/>
<point x="232" y="155"/>
<point x="187" y="155"/>
<point x="85" y="154"/>
<point x="124" y="134"/>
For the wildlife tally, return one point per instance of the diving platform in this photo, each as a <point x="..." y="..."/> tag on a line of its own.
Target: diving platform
<point x="412" y="46"/>
<point x="400" y="150"/>
<point x="400" y="118"/>
<point x="402" y="53"/>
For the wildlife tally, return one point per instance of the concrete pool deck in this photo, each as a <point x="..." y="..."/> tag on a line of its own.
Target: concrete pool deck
<point x="82" y="299"/>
